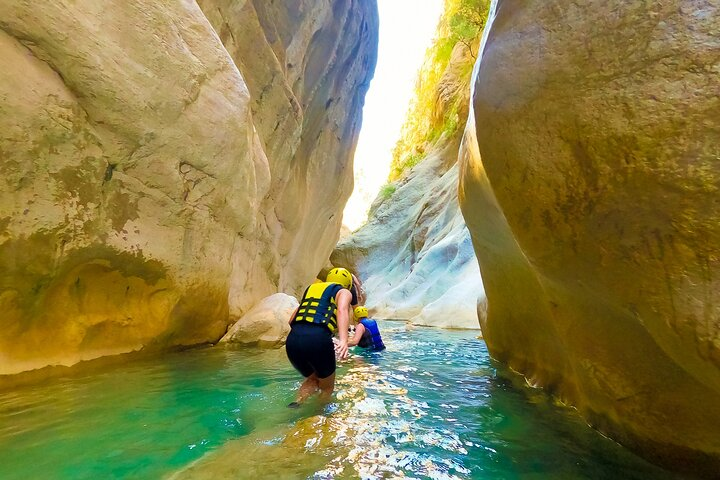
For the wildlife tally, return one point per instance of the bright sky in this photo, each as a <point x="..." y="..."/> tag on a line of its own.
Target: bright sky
<point x="406" y="31"/>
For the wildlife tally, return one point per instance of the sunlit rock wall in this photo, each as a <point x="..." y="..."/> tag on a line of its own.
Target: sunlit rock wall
<point x="594" y="213"/>
<point x="415" y="255"/>
<point x="160" y="176"/>
<point x="307" y="80"/>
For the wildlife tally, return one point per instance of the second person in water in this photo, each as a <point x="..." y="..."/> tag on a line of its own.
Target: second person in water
<point x="367" y="333"/>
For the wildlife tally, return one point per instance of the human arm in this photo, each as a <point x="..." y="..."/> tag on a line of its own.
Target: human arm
<point x="343" y="320"/>
<point x="360" y="291"/>
<point x="292" y="317"/>
<point x="359" y="330"/>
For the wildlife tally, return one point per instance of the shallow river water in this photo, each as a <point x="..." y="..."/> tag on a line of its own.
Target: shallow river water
<point x="433" y="405"/>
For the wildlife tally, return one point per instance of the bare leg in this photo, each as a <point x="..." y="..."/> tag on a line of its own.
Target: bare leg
<point x="326" y="385"/>
<point x="308" y="387"/>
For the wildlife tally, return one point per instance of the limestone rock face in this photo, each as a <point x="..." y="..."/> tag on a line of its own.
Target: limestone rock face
<point x="414" y="255"/>
<point x="266" y="324"/>
<point x="159" y="177"/>
<point x="307" y="80"/>
<point x="591" y="192"/>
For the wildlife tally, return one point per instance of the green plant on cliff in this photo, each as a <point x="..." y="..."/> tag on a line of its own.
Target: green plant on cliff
<point x="387" y="190"/>
<point x="442" y="87"/>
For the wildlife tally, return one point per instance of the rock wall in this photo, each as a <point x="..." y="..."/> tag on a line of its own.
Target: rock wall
<point x="414" y="254"/>
<point x="589" y="181"/>
<point x="166" y="167"/>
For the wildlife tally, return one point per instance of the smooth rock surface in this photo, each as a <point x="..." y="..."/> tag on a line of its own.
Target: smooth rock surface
<point x="591" y="193"/>
<point x="156" y="184"/>
<point x="307" y="80"/>
<point x="266" y="324"/>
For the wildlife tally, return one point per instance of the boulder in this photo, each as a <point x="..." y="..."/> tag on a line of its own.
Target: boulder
<point x="266" y="324"/>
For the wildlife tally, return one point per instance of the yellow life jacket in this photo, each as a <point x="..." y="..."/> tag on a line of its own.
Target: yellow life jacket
<point x="318" y="305"/>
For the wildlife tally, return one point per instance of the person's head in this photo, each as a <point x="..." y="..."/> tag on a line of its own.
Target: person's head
<point x="341" y="276"/>
<point x="360" y="312"/>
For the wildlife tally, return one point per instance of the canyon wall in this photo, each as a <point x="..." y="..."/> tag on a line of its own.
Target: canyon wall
<point x="589" y="181"/>
<point x="167" y="165"/>
<point x="414" y="254"/>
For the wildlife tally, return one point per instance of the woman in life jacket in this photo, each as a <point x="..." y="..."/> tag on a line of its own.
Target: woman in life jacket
<point x="323" y="311"/>
<point x="367" y="333"/>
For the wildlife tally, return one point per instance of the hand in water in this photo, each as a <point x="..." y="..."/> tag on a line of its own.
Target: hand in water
<point x="341" y="349"/>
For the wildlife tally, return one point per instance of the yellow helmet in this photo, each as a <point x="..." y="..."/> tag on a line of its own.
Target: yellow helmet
<point x="360" y="312"/>
<point x="341" y="276"/>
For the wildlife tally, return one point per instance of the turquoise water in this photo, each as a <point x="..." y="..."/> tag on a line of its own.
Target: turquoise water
<point x="433" y="405"/>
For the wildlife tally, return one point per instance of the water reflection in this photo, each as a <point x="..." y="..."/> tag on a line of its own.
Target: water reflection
<point x="377" y="420"/>
<point x="433" y="405"/>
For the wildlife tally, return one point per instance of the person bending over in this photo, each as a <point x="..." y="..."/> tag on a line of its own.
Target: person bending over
<point x="367" y="333"/>
<point x="324" y="310"/>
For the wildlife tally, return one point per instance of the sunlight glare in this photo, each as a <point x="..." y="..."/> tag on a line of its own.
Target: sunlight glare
<point x="407" y="28"/>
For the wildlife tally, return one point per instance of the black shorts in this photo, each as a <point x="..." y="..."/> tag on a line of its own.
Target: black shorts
<point x="310" y="349"/>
